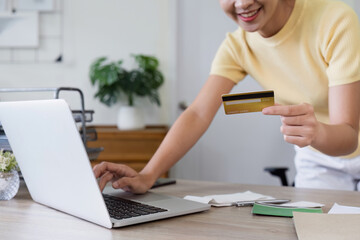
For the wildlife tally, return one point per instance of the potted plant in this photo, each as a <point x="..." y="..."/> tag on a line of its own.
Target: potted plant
<point x="115" y="83"/>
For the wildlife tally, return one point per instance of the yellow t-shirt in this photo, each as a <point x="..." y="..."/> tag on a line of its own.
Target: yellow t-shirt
<point x="318" y="47"/>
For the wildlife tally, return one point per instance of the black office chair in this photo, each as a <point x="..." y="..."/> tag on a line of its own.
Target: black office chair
<point x="279" y="172"/>
<point x="356" y="182"/>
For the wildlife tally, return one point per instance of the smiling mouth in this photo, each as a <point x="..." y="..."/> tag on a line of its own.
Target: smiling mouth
<point x="249" y="16"/>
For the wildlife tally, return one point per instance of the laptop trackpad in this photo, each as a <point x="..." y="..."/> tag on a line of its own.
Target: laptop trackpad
<point x="147" y="197"/>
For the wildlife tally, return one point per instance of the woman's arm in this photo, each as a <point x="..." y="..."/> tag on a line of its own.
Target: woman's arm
<point x="185" y="132"/>
<point x="339" y="137"/>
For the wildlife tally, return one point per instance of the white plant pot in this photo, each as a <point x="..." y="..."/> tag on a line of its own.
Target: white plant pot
<point x="130" y="118"/>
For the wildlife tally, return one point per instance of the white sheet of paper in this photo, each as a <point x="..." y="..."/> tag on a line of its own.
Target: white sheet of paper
<point x="340" y="209"/>
<point x="224" y="200"/>
<point x="302" y="204"/>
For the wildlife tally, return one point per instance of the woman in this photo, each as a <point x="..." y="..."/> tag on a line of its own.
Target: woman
<point x="307" y="52"/>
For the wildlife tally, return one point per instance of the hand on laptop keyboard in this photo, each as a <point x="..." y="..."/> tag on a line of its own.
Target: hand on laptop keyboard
<point x="122" y="177"/>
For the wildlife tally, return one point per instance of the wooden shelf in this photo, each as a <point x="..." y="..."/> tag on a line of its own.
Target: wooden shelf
<point x="131" y="147"/>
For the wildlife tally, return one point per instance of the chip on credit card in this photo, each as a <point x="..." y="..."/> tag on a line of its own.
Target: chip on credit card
<point x="247" y="102"/>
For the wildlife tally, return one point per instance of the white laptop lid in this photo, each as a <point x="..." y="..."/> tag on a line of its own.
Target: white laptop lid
<point x="49" y="150"/>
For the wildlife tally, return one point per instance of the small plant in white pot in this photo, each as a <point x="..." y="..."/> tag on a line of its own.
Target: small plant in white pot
<point x="116" y="83"/>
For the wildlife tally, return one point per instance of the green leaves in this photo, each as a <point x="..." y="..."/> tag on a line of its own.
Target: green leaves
<point x="7" y="161"/>
<point x="146" y="62"/>
<point x="114" y="81"/>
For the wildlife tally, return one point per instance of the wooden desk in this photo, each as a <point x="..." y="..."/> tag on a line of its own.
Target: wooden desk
<point x="132" y="147"/>
<point x="21" y="218"/>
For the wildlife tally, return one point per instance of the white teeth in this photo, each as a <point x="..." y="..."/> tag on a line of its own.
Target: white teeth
<point x="249" y="14"/>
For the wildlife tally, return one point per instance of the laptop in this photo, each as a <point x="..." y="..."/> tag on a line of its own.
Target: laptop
<point x="57" y="171"/>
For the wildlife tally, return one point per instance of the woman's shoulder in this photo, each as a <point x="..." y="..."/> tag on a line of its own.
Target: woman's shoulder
<point x="237" y="37"/>
<point x="333" y="9"/>
<point x="236" y="34"/>
<point x="327" y="17"/>
<point x="333" y="4"/>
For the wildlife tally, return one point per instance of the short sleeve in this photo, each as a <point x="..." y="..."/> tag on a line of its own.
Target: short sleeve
<point x="341" y="45"/>
<point x="227" y="61"/>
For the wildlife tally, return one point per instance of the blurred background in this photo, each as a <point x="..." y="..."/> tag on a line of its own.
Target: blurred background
<point x="184" y="35"/>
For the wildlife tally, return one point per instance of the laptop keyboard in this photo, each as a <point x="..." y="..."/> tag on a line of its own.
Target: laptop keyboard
<point x="120" y="208"/>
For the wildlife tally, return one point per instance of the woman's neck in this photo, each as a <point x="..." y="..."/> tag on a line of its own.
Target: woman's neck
<point x="282" y="15"/>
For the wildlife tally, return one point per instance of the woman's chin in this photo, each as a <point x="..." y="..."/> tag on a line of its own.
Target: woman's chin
<point x="247" y="28"/>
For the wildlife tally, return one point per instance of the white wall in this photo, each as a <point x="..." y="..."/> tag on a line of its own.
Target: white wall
<point x="113" y="28"/>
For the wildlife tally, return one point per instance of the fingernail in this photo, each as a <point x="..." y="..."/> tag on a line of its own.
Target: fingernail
<point x="115" y="185"/>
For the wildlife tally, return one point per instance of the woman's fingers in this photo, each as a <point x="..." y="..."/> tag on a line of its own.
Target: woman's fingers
<point x="299" y="124"/>
<point x="104" y="179"/>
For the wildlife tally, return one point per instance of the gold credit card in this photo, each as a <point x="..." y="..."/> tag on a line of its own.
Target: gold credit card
<point x="247" y="102"/>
